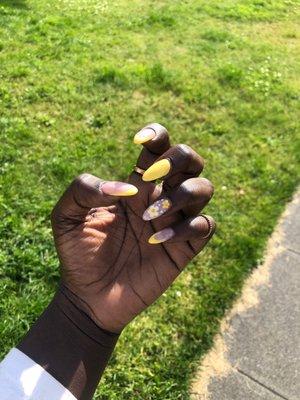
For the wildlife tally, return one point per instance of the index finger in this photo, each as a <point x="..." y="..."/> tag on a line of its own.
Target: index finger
<point x="155" y="141"/>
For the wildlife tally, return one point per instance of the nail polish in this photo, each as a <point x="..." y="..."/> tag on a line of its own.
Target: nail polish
<point x="157" y="170"/>
<point x="161" y="236"/>
<point x="144" y="136"/>
<point x="114" y="188"/>
<point x="157" y="209"/>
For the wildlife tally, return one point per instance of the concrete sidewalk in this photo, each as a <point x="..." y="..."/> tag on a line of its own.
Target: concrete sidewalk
<point x="257" y="354"/>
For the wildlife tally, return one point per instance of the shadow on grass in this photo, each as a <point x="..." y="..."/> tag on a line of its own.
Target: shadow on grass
<point x="14" y="4"/>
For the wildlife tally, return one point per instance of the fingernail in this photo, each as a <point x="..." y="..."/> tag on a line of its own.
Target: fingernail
<point x="157" y="170"/>
<point x="157" y="209"/>
<point x="115" y="188"/>
<point x="143" y="136"/>
<point x="161" y="236"/>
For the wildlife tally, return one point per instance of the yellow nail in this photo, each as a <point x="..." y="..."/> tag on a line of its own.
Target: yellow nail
<point x="157" y="170"/>
<point x="114" y="188"/>
<point x="129" y="192"/>
<point x="161" y="236"/>
<point x="153" y="240"/>
<point x="143" y="136"/>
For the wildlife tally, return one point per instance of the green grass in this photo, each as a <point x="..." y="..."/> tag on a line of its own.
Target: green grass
<point x="78" y="78"/>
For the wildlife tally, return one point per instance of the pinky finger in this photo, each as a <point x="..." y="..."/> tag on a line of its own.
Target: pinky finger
<point x="200" y="228"/>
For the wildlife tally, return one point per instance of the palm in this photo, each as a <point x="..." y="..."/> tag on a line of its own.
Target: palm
<point x="107" y="251"/>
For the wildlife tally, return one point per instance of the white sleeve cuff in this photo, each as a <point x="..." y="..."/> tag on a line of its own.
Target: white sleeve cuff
<point x="23" y="379"/>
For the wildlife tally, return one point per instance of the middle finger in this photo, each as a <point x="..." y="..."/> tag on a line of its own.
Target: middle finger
<point x="191" y="197"/>
<point x="175" y="165"/>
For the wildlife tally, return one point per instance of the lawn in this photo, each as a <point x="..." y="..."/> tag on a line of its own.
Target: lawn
<point x="78" y="79"/>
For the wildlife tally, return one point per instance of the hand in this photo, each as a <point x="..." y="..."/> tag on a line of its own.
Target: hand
<point x="102" y="231"/>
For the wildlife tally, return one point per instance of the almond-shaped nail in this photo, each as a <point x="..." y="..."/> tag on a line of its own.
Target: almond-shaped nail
<point x="144" y="136"/>
<point x="157" y="209"/>
<point x="157" y="170"/>
<point x="114" y="188"/>
<point x="161" y="236"/>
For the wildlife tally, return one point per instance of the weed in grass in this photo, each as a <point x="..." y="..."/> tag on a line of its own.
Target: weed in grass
<point x="291" y="35"/>
<point x="18" y="71"/>
<point x="22" y="4"/>
<point x="158" y="18"/>
<point x="111" y="76"/>
<point x="264" y="78"/>
<point x="98" y="121"/>
<point x="216" y="36"/>
<point x="230" y="75"/>
<point x="160" y="78"/>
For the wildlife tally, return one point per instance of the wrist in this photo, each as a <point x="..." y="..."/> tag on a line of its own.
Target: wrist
<point x="70" y="346"/>
<point x="98" y="309"/>
<point x="80" y="314"/>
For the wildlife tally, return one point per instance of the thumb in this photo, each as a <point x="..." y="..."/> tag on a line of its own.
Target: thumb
<point x="88" y="191"/>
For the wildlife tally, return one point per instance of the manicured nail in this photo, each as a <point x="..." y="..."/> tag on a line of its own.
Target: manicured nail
<point x="157" y="209"/>
<point x="143" y="136"/>
<point x="157" y="170"/>
<point x="114" y="188"/>
<point x="161" y="236"/>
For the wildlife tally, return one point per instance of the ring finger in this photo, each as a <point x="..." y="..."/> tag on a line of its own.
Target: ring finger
<point x="191" y="196"/>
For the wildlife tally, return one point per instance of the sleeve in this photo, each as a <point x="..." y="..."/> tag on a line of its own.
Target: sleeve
<point x="66" y="351"/>
<point x="23" y="379"/>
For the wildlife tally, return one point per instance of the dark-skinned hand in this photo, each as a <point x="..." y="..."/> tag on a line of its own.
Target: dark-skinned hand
<point x="117" y="258"/>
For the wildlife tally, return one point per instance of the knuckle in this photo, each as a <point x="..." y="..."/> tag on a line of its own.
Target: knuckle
<point x="80" y="185"/>
<point x="85" y="185"/>
<point x="185" y="191"/>
<point x="81" y="179"/>
<point x="190" y="157"/>
<point x="161" y="141"/>
<point x="184" y="149"/>
<point x="158" y="128"/>
<point x="197" y="189"/>
<point x="82" y="182"/>
<point x="208" y="187"/>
